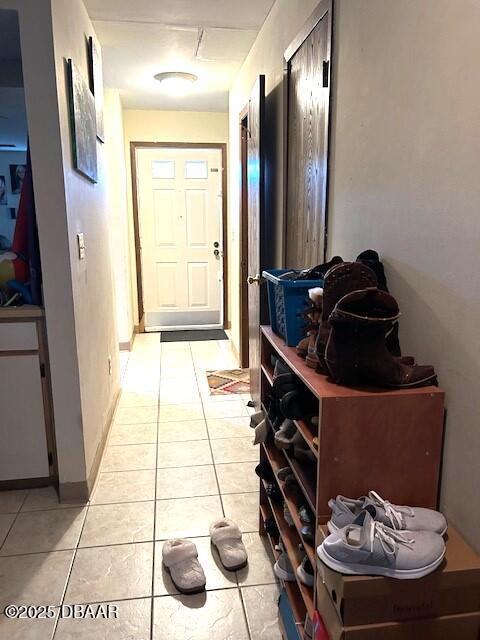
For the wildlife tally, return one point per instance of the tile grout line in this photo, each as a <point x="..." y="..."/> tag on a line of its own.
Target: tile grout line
<point x="15" y="518"/>
<point x="239" y="590"/>
<point x="209" y="442"/>
<point x="69" y="573"/>
<point x="152" y="600"/>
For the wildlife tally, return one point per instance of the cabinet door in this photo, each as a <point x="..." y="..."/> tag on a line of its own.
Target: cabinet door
<point x="23" y="445"/>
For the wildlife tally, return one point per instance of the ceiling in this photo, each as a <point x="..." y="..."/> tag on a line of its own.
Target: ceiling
<point x="210" y="38"/>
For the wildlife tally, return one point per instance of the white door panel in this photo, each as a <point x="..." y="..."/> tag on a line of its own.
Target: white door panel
<point x="180" y="222"/>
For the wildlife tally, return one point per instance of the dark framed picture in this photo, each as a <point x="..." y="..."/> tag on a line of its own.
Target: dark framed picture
<point x="17" y="174"/>
<point x="3" y="190"/>
<point x="83" y="124"/>
<point x="96" y="83"/>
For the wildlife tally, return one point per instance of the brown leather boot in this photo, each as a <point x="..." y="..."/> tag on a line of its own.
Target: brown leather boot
<point x="356" y="352"/>
<point x="339" y="280"/>
<point x="314" y="313"/>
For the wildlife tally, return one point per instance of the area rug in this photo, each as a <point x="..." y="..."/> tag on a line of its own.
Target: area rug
<point x="224" y="381"/>
<point x="193" y="335"/>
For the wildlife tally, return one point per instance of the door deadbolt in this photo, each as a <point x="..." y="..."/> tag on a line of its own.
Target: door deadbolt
<point x="216" y="245"/>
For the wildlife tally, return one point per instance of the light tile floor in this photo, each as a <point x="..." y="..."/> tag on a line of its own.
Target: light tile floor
<point x="177" y="458"/>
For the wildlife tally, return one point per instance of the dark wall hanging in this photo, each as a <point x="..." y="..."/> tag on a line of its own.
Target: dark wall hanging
<point x="96" y="83"/>
<point x="83" y="124"/>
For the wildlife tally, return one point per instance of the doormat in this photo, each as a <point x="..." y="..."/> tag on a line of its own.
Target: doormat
<point x="193" y="335"/>
<point x="222" y="382"/>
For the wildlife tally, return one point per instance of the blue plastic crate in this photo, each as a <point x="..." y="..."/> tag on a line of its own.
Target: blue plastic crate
<point x="287" y="299"/>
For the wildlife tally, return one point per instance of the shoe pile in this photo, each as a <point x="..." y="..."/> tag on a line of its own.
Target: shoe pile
<point x="371" y="536"/>
<point x="356" y="329"/>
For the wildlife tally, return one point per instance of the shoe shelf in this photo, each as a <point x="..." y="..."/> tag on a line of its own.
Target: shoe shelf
<point x="369" y="438"/>
<point x="291" y="541"/>
<point x="274" y="457"/>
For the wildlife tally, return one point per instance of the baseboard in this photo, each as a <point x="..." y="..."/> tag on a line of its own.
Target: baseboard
<point x="92" y="476"/>
<point x="81" y="491"/>
<point x="128" y="345"/>
<point x="25" y="483"/>
<point x="73" y="491"/>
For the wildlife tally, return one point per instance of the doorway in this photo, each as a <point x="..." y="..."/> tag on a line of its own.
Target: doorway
<point x="179" y="198"/>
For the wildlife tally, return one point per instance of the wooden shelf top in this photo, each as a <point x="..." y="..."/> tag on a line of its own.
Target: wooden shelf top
<point x="19" y="313"/>
<point x="320" y="385"/>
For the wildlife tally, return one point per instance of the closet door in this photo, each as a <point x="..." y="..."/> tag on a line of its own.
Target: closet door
<point x="308" y="62"/>
<point x="256" y="227"/>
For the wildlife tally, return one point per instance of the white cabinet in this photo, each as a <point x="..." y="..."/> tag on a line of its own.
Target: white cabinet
<point x="23" y="448"/>
<point x="24" y="398"/>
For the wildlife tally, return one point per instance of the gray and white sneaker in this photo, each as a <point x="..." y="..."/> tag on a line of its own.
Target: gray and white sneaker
<point x="345" y="510"/>
<point x="368" y="547"/>
<point x="283" y="568"/>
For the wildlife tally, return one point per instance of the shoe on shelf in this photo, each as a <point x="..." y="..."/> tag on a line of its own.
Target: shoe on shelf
<point x="284" y="436"/>
<point x="274" y="493"/>
<point x="271" y="527"/>
<point x="261" y="432"/>
<point x="308" y="534"/>
<point x="303" y="453"/>
<point x="256" y="419"/>
<point x="304" y="514"/>
<point x="305" y="572"/>
<point x="264" y="471"/>
<point x="368" y="547"/>
<point x="345" y="510"/>
<point x="287" y="516"/>
<point x="356" y="351"/>
<point x="283" y="568"/>
<point x="283" y="473"/>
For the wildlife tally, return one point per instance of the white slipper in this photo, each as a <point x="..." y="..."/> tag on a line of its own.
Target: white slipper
<point x="180" y="558"/>
<point x="227" y="539"/>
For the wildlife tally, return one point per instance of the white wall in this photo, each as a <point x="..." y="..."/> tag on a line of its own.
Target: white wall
<point x="405" y="181"/>
<point x="78" y="296"/>
<point x="284" y="21"/>
<point x="167" y="126"/>
<point x="87" y="213"/>
<point x="118" y="213"/>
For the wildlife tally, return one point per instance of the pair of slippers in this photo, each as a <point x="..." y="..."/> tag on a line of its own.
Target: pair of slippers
<point x="180" y="557"/>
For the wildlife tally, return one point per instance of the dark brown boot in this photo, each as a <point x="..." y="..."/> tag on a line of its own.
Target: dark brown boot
<point x="339" y="280"/>
<point x="311" y="359"/>
<point x="356" y="353"/>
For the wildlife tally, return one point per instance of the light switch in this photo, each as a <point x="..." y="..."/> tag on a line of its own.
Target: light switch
<point x="81" y="246"/>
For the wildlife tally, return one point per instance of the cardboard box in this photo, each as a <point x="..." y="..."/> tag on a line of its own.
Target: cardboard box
<point x="465" y="626"/>
<point x="454" y="588"/>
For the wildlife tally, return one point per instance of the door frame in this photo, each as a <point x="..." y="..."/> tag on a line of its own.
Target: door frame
<point x="221" y="146"/>
<point x="324" y="8"/>
<point x="243" y="273"/>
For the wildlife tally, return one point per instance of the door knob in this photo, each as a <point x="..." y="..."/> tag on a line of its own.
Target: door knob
<point x="254" y="279"/>
<point x="216" y="253"/>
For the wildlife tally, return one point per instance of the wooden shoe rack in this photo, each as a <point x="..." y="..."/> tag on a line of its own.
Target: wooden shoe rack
<point x="368" y="438"/>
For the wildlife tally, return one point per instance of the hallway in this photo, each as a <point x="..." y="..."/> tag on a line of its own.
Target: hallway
<point x="177" y="458"/>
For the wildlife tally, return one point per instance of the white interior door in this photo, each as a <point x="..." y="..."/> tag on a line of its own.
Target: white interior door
<point x="180" y="223"/>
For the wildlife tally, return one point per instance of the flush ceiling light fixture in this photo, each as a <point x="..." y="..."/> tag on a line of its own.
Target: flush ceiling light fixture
<point x="176" y="83"/>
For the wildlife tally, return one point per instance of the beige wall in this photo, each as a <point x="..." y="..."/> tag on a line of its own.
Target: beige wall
<point x="118" y="213"/>
<point x="406" y="130"/>
<point x="284" y="21"/>
<point x="166" y="126"/>
<point x="87" y="213"/>
<point x="405" y="181"/>
<point x="78" y="295"/>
